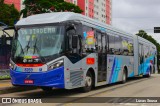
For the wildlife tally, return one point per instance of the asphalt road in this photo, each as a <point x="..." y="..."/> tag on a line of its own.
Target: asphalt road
<point x="135" y="87"/>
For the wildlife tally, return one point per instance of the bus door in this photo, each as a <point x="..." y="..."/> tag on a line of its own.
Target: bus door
<point x="102" y="56"/>
<point x="141" y="59"/>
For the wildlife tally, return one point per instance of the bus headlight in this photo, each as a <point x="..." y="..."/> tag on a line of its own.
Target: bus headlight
<point x="56" y="65"/>
<point x="11" y="66"/>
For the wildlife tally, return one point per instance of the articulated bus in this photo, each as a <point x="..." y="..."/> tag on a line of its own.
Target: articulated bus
<point x="68" y="50"/>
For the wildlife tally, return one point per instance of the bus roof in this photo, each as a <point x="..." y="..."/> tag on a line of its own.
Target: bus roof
<point x="144" y="41"/>
<point x="58" y="17"/>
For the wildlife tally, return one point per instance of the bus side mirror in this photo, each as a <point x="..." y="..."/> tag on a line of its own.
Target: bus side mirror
<point x="71" y="27"/>
<point x="3" y="39"/>
<point x="96" y="46"/>
<point x="74" y="41"/>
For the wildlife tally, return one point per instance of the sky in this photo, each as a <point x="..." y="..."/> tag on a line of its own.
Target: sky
<point x="134" y="15"/>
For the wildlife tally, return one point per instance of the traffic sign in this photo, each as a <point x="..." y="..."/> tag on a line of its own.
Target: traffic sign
<point x="156" y="29"/>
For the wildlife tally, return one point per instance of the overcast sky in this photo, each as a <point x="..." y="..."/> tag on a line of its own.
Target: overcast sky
<point x="133" y="15"/>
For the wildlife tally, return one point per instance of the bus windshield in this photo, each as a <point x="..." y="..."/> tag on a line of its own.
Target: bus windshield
<point x="38" y="41"/>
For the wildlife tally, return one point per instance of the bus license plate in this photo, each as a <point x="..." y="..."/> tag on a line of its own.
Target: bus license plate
<point x="28" y="81"/>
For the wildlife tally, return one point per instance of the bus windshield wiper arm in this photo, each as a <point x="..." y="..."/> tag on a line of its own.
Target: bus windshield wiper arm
<point x="21" y="48"/>
<point x="35" y="47"/>
<point x="28" y="45"/>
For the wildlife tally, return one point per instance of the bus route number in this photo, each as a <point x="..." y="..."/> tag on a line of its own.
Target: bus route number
<point x="28" y="70"/>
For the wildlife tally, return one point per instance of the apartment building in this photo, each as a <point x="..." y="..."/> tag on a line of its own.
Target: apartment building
<point x="97" y="9"/>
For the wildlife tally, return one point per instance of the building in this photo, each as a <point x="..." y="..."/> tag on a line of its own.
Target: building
<point x="17" y="3"/>
<point x="97" y="9"/>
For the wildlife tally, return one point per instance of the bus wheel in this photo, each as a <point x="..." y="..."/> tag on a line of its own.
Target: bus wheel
<point x="124" y="76"/>
<point x="88" y="82"/>
<point x="46" y="89"/>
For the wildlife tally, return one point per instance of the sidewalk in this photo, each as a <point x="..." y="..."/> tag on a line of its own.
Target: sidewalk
<point x="5" y="84"/>
<point x="6" y="87"/>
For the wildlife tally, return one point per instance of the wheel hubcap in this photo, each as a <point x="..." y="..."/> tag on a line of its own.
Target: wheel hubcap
<point x="124" y="77"/>
<point x="88" y="81"/>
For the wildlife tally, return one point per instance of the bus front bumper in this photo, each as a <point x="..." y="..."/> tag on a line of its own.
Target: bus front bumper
<point x="53" y="78"/>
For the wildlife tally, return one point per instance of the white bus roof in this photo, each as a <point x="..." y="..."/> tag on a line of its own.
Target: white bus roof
<point x="144" y="41"/>
<point x="58" y="17"/>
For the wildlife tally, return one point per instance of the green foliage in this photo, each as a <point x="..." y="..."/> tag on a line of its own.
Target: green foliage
<point x="48" y="6"/>
<point x="5" y="77"/>
<point x="8" y="13"/>
<point x="143" y="34"/>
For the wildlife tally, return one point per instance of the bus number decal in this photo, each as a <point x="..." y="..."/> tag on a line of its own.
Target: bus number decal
<point x="90" y="61"/>
<point x="28" y="70"/>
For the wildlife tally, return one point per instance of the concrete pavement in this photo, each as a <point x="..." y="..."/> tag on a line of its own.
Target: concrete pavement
<point x="5" y="84"/>
<point x="136" y="87"/>
<point x="6" y="87"/>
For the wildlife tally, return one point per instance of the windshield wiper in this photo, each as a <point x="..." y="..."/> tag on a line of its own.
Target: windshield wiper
<point x="28" y="45"/>
<point x="21" y="48"/>
<point x="43" y="60"/>
<point x="35" y="47"/>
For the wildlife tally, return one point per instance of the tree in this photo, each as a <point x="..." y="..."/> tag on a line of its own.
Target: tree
<point x="8" y="13"/>
<point x="143" y="34"/>
<point x="47" y="6"/>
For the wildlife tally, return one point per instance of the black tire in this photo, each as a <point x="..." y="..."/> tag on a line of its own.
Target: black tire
<point x="47" y="89"/>
<point x="88" y="83"/>
<point x="124" y="76"/>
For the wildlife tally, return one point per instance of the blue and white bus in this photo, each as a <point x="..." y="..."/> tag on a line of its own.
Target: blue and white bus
<point x="69" y="50"/>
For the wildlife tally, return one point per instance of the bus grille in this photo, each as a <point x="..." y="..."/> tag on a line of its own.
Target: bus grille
<point x="76" y="78"/>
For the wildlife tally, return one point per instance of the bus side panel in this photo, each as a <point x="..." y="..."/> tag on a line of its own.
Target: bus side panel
<point x="148" y="64"/>
<point x="136" y="55"/>
<point x="146" y="58"/>
<point x="76" y="72"/>
<point x="116" y="64"/>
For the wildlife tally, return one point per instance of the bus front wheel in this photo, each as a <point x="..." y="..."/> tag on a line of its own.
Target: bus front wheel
<point x="88" y="82"/>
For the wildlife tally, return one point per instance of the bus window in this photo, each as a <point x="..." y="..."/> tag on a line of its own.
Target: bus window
<point x="99" y="40"/>
<point x="111" y="44"/>
<point x="127" y="46"/>
<point x="70" y="34"/>
<point x="104" y="43"/>
<point x="118" y="45"/>
<point x="146" y="51"/>
<point x="89" y="40"/>
<point x="130" y="47"/>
